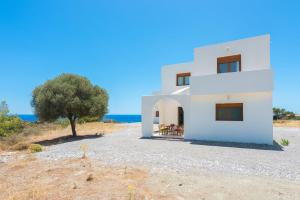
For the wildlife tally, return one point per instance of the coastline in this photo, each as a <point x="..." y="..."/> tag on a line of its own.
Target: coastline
<point x="119" y="118"/>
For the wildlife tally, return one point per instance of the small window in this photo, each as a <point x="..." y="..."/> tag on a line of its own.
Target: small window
<point x="180" y="81"/>
<point x="183" y="79"/>
<point x="223" y="68"/>
<point x="234" y="66"/>
<point x="157" y="113"/>
<point x="229" y="112"/>
<point x="187" y="80"/>
<point x="229" y="64"/>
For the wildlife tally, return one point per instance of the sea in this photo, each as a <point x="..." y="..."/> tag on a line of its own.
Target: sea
<point x="114" y="118"/>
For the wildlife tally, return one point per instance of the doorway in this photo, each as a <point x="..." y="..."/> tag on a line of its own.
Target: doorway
<point x="180" y="116"/>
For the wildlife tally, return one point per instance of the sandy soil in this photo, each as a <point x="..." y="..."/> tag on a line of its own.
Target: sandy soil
<point x="91" y="128"/>
<point x="27" y="177"/>
<point x="286" y="123"/>
<point x="30" y="178"/>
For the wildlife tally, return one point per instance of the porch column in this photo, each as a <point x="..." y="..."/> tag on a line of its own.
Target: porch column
<point x="147" y="123"/>
<point x="185" y="102"/>
<point x="187" y="121"/>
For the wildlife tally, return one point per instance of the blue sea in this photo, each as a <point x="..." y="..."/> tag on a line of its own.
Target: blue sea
<point x="115" y="118"/>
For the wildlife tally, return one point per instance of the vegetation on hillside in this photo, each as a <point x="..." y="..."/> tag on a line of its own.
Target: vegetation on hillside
<point x="9" y="125"/>
<point x="69" y="96"/>
<point x="283" y="114"/>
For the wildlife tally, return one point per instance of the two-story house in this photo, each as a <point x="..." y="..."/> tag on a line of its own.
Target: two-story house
<point x="225" y="94"/>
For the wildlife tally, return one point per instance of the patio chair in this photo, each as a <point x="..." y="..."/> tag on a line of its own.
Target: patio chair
<point x="179" y="131"/>
<point x="172" y="129"/>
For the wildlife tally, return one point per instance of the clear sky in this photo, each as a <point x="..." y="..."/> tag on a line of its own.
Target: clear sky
<point x="121" y="45"/>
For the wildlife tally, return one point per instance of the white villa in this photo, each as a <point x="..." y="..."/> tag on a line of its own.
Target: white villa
<point x="224" y="94"/>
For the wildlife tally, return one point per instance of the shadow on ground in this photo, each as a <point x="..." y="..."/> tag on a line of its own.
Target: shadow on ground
<point x="274" y="147"/>
<point x="68" y="138"/>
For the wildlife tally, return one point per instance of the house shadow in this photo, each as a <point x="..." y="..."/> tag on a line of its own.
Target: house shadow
<point x="67" y="138"/>
<point x="274" y="147"/>
<point x="163" y="138"/>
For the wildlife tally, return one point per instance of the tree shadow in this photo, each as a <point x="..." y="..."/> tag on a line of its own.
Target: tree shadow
<point x="67" y="138"/>
<point x="274" y="147"/>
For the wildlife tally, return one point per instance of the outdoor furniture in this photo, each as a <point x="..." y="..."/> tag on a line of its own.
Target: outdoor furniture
<point x="179" y="131"/>
<point x="172" y="129"/>
<point x="163" y="129"/>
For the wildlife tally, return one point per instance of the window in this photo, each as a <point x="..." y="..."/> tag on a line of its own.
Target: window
<point x="229" y="64"/>
<point x="229" y="112"/>
<point x="183" y="79"/>
<point x="157" y="113"/>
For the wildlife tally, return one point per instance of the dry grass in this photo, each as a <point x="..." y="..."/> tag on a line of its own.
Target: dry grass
<point x="91" y="128"/>
<point x="69" y="179"/>
<point x="286" y="123"/>
<point x="28" y="178"/>
<point x="34" y="133"/>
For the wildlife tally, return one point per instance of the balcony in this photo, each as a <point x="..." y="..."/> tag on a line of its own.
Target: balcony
<point x="235" y="82"/>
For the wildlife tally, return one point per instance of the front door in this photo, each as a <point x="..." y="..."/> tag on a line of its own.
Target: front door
<point x="180" y="116"/>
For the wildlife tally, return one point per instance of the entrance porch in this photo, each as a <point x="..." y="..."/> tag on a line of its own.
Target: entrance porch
<point x="164" y="116"/>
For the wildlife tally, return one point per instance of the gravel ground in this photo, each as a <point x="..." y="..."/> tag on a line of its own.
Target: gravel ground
<point x="127" y="148"/>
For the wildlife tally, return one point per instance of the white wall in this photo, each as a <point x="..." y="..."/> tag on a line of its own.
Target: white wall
<point x="235" y="82"/>
<point x="168" y="76"/>
<point x="199" y="117"/>
<point x="156" y="108"/>
<point x="255" y="54"/>
<point x="256" y="127"/>
<point x="168" y="111"/>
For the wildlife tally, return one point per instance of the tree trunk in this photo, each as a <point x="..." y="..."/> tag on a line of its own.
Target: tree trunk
<point x="73" y="127"/>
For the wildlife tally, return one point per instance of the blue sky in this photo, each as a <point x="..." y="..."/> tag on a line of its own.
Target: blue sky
<point x="121" y="45"/>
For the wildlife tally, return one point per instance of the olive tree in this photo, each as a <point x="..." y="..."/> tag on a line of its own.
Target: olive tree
<point x="69" y="96"/>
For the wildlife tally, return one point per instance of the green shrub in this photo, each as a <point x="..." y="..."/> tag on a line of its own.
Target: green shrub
<point x="10" y="125"/>
<point x="284" y="142"/>
<point x="35" y="148"/>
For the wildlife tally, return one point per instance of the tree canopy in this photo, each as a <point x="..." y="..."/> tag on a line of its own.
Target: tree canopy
<point x="69" y="96"/>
